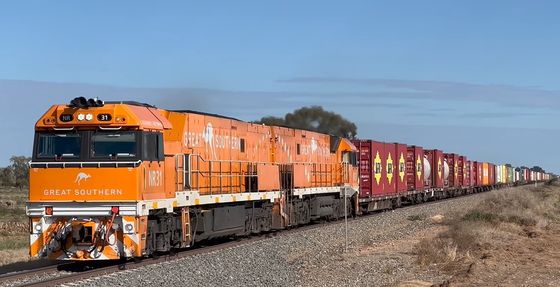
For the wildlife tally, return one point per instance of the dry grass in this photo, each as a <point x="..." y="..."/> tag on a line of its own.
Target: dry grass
<point x="505" y="218"/>
<point x="14" y="255"/>
<point x="14" y="237"/>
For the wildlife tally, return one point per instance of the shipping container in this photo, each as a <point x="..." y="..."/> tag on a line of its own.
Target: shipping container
<point x="485" y="174"/>
<point x="491" y="174"/>
<point x="453" y="164"/>
<point x="522" y="175"/>
<point x="469" y="173"/>
<point x="517" y="176"/>
<point x="389" y="161"/>
<point x="461" y="171"/>
<point x="401" y="152"/>
<point x="476" y="173"/>
<point x="465" y="179"/>
<point x="434" y="178"/>
<point x="499" y="175"/>
<point x="510" y="174"/>
<point x="526" y="175"/>
<point x="372" y="173"/>
<point x="415" y="168"/>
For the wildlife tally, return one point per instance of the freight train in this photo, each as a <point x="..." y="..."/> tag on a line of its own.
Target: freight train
<point x="114" y="180"/>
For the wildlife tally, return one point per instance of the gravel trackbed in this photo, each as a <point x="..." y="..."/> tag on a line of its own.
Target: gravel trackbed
<point x="380" y="253"/>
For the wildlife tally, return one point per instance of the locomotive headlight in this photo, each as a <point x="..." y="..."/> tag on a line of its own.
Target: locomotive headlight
<point x="128" y="227"/>
<point x="89" y="117"/>
<point x="38" y="227"/>
<point x="81" y="117"/>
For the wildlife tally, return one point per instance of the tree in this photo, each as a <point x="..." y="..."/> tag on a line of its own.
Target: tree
<point x="20" y="170"/>
<point x="7" y="177"/>
<point x="537" y="169"/>
<point x="315" y="118"/>
<point x="271" y="121"/>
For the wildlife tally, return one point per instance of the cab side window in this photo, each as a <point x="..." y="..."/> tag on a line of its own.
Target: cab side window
<point x="152" y="146"/>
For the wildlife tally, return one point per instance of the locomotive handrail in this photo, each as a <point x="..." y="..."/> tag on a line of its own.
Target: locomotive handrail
<point x="83" y="164"/>
<point x="221" y="175"/>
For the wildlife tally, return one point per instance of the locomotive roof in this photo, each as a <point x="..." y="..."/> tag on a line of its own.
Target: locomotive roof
<point x="205" y="114"/>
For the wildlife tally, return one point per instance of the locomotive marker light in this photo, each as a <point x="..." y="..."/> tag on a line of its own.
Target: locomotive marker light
<point x="89" y="117"/>
<point x="115" y="210"/>
<point x="128" y="227"/>
<point x="81" y="117"/>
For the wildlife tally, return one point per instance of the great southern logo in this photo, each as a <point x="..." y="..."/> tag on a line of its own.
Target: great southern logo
<point x="81" y="176"/>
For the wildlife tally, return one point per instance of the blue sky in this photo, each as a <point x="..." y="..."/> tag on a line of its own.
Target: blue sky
<point x="474" y="77"/>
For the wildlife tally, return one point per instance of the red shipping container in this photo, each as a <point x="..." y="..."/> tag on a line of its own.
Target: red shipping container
<point x="372" y="173"/>
<point x="474" y="176"/>
<point x="470" y="173"/>
<point x="453" y="163"/>
<point x="415" y="168"/>
<point x="480" y="174"/>
<point x="465" y="171"/>
<point x="401" y="167"/>
<point x="389" y="161"/>
<point x="461" y="171"/>
<point x="435" y="178"/>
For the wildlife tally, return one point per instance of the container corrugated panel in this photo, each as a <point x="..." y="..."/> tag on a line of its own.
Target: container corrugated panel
<point x="372" y="177"/>
<point x="401" y="167"/>
<point x="476" y="176"/>
<point x="517" y="176"/>
<point x="491" y="173"/>
<point x="415" y="168"/>
<point x="499" y="173"/>
<point x="478" y="173"/>
<point x="435" y="158"/>
<point x="485" y="174"/>
<point x="510" y="174"/>
<point x="389" y="162"/>
<point x="465" y="179"/>
<point x="460" y="171"/>
<point x="469" y="174"/>
<point x="453" y="162"/>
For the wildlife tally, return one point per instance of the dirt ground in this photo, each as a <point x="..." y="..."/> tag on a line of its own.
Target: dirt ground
<point x="509" y="239"/>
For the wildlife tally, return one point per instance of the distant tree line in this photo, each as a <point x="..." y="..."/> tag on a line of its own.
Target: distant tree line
<point x="17" y="173"/>
<point x="314" y="118"/>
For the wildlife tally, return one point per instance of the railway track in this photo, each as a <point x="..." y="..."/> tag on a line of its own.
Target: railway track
<point x="65" y="273"/>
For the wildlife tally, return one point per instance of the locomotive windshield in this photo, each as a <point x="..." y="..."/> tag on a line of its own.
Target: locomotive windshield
<point x="114" y="145"/>
<point x="98" y="146"/>
<point x="58" y="146"/>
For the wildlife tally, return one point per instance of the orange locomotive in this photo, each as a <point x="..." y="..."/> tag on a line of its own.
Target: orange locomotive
<point x="123" y="179"/>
